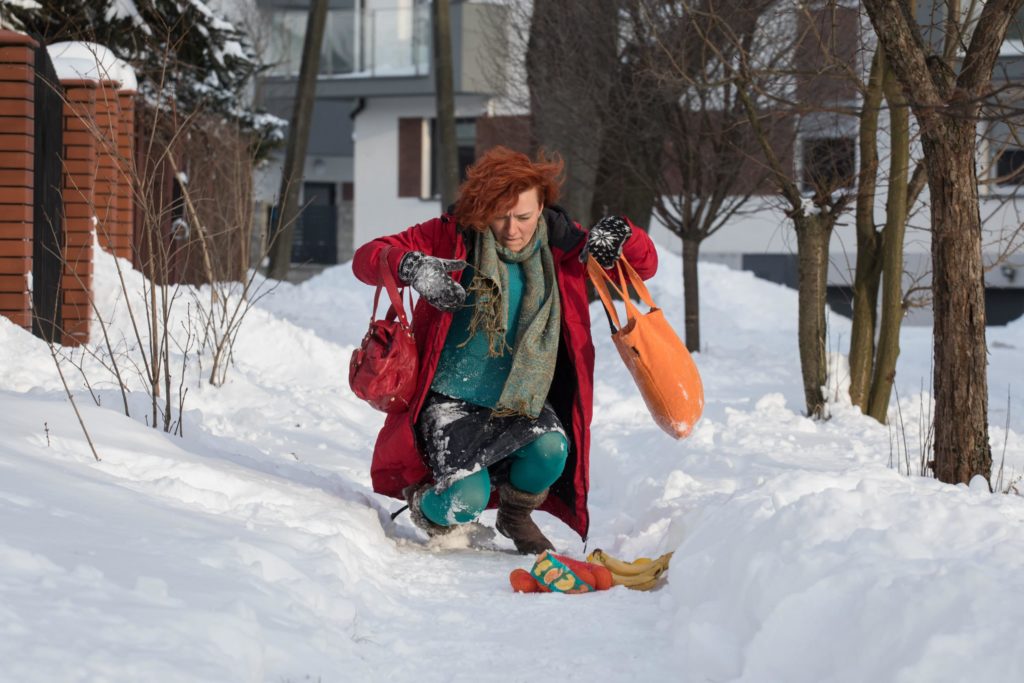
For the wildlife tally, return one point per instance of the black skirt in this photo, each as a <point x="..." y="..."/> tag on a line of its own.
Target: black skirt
<point x="459" y="438"/>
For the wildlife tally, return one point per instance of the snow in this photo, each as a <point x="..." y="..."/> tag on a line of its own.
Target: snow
<point x="75" y="59"/>
<point x="25" y="4"/>
<point x="126" y="9"/>
<point x="253" y="549"/>
<point x="1011" y="48"/>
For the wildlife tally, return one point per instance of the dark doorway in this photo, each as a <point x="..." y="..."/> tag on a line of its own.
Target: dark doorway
<point x="316" y="233"/>
<point x="47" y="214"/>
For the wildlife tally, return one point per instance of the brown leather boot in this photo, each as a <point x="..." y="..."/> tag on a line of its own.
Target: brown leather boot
<point x="414" y="496"/>
<point x="514" y="519"/>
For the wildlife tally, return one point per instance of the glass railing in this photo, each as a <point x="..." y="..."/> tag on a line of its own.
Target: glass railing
<point x="287" y="30"/>
<point x="397" y="41"/>
<point x="385" y="42"/>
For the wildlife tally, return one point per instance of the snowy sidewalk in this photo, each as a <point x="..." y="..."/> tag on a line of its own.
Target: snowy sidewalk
<point x="253" y="549"/>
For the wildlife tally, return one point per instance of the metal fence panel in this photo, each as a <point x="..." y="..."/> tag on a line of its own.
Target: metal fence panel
<point x="48" y="237"/>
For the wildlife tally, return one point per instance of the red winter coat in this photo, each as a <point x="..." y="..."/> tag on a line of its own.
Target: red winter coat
<point x="397" y="461"/>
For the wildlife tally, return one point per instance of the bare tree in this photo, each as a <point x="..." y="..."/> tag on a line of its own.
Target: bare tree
<point x="819" y="49"/>
<point x="188" y="171"/>
<point x="298" y="137"/>
<point x="947" y="106"/>
<point x="705" y="175"/>
<point x="571" y="64"/>
<point x="868" y="273"/>
<point x="445" y="93"/>
<point x="879" y="265"/>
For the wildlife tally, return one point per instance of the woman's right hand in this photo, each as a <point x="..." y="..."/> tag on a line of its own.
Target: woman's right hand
<point x="429" y="276"/>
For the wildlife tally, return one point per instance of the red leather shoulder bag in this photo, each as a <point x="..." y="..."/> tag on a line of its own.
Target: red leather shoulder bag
<point x="384" y="368"/>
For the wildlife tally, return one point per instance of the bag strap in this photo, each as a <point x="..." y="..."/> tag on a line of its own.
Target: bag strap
<point x="598" y="278"/>
<point x="388" y="283"/>
<point x="601" y="281"/>
<point x="636" y="281"/>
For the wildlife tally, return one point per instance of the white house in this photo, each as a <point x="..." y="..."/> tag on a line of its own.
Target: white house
<point x="370" y="164"/>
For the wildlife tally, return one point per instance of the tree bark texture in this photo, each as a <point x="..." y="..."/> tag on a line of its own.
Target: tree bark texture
<point x="691" y="294"/>
<point x="892" y="252"/>
<point x="869" y="264"/>
<point x="445" y="91"/>
<point x="958" y="299"/>
<point x="298" y="138"/>
<point x="813" y="234"/>
<point x="946" y="104"/>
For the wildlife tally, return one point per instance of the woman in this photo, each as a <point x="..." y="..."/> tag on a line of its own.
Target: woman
<point x="502" y="329"/>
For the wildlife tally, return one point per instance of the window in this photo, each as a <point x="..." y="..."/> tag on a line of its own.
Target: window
<point x="1010" y="167"/>
<point x="287" y="32"/>
<point x="828" y="164"/>
<point x="396" y="41"/>
<point x="465" y="142"/>
<point x="418" y="161"/>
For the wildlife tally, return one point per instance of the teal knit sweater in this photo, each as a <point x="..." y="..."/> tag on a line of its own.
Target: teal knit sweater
<point x="468" y="372"/>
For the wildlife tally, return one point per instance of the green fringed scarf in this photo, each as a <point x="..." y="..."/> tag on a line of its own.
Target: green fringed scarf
<point x="536" y="346"/>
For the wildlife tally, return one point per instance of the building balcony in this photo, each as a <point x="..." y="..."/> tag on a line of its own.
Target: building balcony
<point x="372" y="51"/>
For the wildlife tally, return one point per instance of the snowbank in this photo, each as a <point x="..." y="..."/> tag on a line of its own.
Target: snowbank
<point x="252" y="549"/>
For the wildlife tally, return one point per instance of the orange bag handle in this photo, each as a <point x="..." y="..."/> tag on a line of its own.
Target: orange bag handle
<point x="601" y="280"/>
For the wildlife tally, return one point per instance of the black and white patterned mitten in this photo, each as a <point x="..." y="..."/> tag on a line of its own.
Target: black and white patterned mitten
<point x="429" y="276"/>
<point x="605" y="240"/>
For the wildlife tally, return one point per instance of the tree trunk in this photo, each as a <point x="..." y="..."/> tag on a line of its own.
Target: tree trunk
<point x="630" y="169"/>
<point x="571" y="66"/>
<point x="691" y="294"/>
<point x="443" y="80"/>
<point x="892" y="252"/>
<point x="813" y="234"/>
<point x="958" y="301"/>
<point x="619" y="191"/>
<point x="869" y="263"/>
<point x="947" y="107"/>
<point x="298" y="137"/>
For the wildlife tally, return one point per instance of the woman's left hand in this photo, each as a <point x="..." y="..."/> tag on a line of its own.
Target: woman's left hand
<point x="605" y="240"/>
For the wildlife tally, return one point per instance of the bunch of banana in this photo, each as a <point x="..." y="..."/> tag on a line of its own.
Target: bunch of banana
<point x="642" y="574"/>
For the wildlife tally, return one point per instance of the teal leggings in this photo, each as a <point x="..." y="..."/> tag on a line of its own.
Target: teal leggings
<point x="534" y="467"/>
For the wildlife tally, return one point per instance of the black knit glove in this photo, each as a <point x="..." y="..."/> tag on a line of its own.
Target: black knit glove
<point x="429" y="276"/>
<point x="605" y="240"/>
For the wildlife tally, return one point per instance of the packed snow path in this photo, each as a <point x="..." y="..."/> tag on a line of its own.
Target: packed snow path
<point x="252" y="549"/>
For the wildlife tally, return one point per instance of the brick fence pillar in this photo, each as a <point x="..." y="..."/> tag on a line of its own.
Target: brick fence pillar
<point x="124" y="230"/>
<point x="106" y="189"/>
<point x="17" y="149"/>
<point x="79" y="183"/>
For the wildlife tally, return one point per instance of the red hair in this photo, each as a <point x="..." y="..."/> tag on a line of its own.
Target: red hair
<point x="493" y="185"/>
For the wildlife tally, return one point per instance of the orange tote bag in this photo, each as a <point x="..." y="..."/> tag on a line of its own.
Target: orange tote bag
<point x="663" y="369"/>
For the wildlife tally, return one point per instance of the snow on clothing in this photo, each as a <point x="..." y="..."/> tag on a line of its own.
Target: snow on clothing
<point x="429" y="276"/>
<point x="397" y="462"/>
<point x="532" y="468"/>
<point x="487" y="397"/>
<point x="458" y="437"/>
